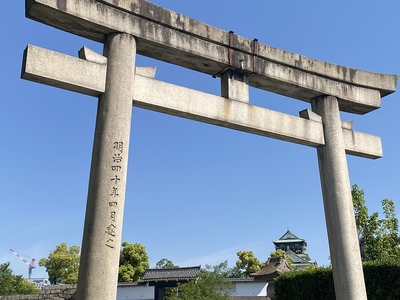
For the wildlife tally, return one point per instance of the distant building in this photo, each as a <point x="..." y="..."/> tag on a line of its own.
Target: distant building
<point x="39" y="282"/>
<point x="135" y="291"/>
<point x="160" y="279"/>
<point x="274" y="267"/>
<point x="247" y="288"/>
<point x="241" y="288"/>
<point x="295" y="248"/>
<point x="154" y="281"/>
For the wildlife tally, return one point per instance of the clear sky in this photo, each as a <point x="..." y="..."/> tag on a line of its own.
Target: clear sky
<point x="196" y="193"/>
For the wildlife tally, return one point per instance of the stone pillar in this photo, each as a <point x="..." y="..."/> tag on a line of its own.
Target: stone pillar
<point x="98" y="271"/>
<point x="235" y="86"/>
<point x="339" y="214"/>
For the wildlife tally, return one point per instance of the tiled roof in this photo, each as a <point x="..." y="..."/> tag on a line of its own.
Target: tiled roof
<point x="129" y="284"/>
<point x="274" y="267"/>
<point x="171" y="274"/>
<point x="245" y="279"/>
<point x="298" y="257"/>
<point x="289" y="236"/>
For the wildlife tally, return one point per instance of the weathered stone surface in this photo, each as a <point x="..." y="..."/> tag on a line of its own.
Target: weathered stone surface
<point x="99" y="261"/>
<point x="339" y="213"/>
<point x="50" y="292"/>
<point x="174" y="38"/>
<point x="168" y="36"/>
<point x="235" y="86"/>
<point x="50" y="67"/>
<point x="187" y="103"/>
<point x="92" y="56"/>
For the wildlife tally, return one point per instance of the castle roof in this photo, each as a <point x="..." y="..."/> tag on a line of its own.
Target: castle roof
<point x="288" y="237"/>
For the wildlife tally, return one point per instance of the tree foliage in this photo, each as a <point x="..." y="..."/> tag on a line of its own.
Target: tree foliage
<point x="62" y="265"/>
<point x="11" y="284"/>
<point x="133" y="262"/>
<point x="211" y="284"/>
<point x="246" y="264"/>
<point x="165" y="264"/>
<point x="277" y="253"/>
<point x="379" y="238"/>
<point x="313" y="283"/>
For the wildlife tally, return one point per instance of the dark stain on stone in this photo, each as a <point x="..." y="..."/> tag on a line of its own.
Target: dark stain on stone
<point x="62" y="5"/>
<point x="353" y="73"/>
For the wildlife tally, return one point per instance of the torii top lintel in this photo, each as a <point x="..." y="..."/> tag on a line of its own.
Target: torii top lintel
<point x="168" y="36"/>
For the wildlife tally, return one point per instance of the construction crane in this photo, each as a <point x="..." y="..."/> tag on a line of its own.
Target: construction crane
<point x="30" y="265"/>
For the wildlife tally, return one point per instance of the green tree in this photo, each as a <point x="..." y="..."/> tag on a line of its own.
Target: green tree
<point x="62" y="265"/>
<point x="246" y="264"/>
<point x="133" y="262"/>
<point x="277" y="253"/>
<point x="11" y="284"/>
<point x="165" y="264"/>
<point x="211" y="284"/>
<point x="379" y="238"/>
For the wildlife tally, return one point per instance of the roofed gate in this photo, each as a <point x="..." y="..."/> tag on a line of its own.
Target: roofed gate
<point x="137" y="26"/>
<point x="168" y="277"/>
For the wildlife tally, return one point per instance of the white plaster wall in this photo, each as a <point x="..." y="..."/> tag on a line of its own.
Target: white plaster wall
<point x="251" y="289"/>
<point x="135" y="293"/>
<point x="239" y="289"/>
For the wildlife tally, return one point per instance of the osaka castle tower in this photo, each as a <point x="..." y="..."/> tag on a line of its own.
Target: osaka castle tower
<point x="295" y="248"/>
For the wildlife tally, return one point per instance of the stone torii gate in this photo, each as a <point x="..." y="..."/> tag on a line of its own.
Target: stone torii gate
<point x="137" y="26"/>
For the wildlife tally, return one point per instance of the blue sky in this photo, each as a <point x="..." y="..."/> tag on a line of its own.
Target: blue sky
<point x="196" y="193"/>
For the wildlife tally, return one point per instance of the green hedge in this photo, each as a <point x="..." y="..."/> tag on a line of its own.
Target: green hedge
<point x="382" y="282"/>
